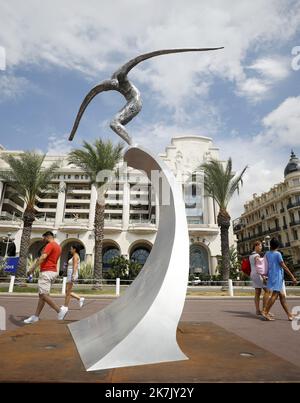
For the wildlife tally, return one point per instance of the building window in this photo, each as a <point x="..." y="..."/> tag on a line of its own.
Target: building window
<point x="295" y="234"/>
<point x="140" y="255"/>
<point x="198" y="260"/>
<point x="109" y="253"/>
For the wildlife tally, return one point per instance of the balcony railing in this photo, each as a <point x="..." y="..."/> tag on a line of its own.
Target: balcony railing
<point x="75" y="221"/>
<point x="295" y="222"/>
<point x="44" y="218"/>
<point x="141" y="221"/>
<point x="275" y="229"/>
<point x="291" y="205"/>
<point x="7" y="217"/>
<point x="237" y="227"/>
<point x="194" y="221"/>
<point x="112" y="222"/>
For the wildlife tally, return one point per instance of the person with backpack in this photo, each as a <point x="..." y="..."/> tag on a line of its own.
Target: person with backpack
<point x="258" y="277"/>
<point x="277" y="267"/>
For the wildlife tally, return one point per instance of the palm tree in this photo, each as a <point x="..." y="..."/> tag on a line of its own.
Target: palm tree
<point x="234" y="263"/>
<point x="221" y="183"/>
<point x="27" y="176"/>
<point x="94" y="159"/>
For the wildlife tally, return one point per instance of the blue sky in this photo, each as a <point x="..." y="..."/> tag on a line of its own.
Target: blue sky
<point x="246" y="97"/>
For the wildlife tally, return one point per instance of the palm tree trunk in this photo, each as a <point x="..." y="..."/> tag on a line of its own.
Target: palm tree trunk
<point x="224" y="224"/>
<point x="99" y="235"/>
<point x="28" y="219"/>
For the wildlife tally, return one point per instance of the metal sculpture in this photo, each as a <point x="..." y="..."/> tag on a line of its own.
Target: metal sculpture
<point x="140" y="326"/>
<point x="119" y="82"/>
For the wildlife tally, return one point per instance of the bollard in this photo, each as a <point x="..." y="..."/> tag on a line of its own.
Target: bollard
<point x="230" y="288"/>
<point x="11" y="284"/>
<point x="284" y="288"/>
<point x="64" y="283"/>
<point x="117" y="287"/>
<point x="2" y="318"/>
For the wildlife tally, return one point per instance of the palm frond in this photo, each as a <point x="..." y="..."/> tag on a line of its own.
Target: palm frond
<point x="27" y="176"/>
<point x="220" y="183"/>
<point x="96" y="157"/>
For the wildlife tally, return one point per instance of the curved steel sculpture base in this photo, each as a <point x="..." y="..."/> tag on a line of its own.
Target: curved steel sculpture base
<point x="140" y="327"/>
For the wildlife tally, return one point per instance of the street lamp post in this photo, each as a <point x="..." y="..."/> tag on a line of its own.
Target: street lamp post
<point x="8" y="241"/>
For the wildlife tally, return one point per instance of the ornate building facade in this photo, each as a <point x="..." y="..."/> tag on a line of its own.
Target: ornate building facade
<point x="275" y="213"/>
<point x="131" y="215"/>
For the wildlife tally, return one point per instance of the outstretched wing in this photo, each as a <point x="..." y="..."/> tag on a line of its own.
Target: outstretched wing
<point x="124" y="70"/>
<point x="121" y="73"/>
<point x="104" y="86"/>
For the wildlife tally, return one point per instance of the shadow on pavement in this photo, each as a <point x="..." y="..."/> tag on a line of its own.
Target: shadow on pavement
<point x="244" y="314"/>
<point x="17" y="322"/>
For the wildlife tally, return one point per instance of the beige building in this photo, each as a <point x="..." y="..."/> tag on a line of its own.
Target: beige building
<point x="131" y="216"/>
<point x="275" y="213"/>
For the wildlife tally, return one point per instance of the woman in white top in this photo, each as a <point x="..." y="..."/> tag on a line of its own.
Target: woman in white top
<point x="258" y="281"/>
<point x="72" y="276"/>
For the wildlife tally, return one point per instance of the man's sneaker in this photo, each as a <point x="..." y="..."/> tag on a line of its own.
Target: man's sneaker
<point x="81" y="302"/>
<point x="31" y="319"/>
<point x="62" y="313"/>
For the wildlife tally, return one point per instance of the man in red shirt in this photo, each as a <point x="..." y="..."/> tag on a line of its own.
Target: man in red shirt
<point x="48" y="273"/>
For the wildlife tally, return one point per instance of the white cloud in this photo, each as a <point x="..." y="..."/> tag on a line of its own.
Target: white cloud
<point x="282" y="125"/>
<point x="255" y="89"/>
<point x="95" y="37"/>
<point x="266" y="153"/>
<point x="2" y="58"/>
<point x="265" y="168"/>
<point x="272" y="68"/>
<point x="156" y="136"/>
<point x="269" y="70"/>
<point x="12" y="87"/>
<point x="58" y="145"/>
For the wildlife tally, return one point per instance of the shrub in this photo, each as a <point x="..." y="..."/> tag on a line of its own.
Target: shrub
<point x="86" y="271"/>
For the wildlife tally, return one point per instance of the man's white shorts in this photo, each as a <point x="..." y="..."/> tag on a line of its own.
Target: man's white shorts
<point x="46" y="278"/>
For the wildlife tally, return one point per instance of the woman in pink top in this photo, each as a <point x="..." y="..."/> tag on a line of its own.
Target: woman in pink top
<point x="258" y="281"/>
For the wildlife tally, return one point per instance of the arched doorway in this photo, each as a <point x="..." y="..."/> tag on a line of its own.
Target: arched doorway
<point x="10" y="248"/>
<point x="140" y="252"/>
<point x="65" y="253"/>
<point x="198" y="260"/>
<point x="35" y="248"/>
<point x="110" y="250"/>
